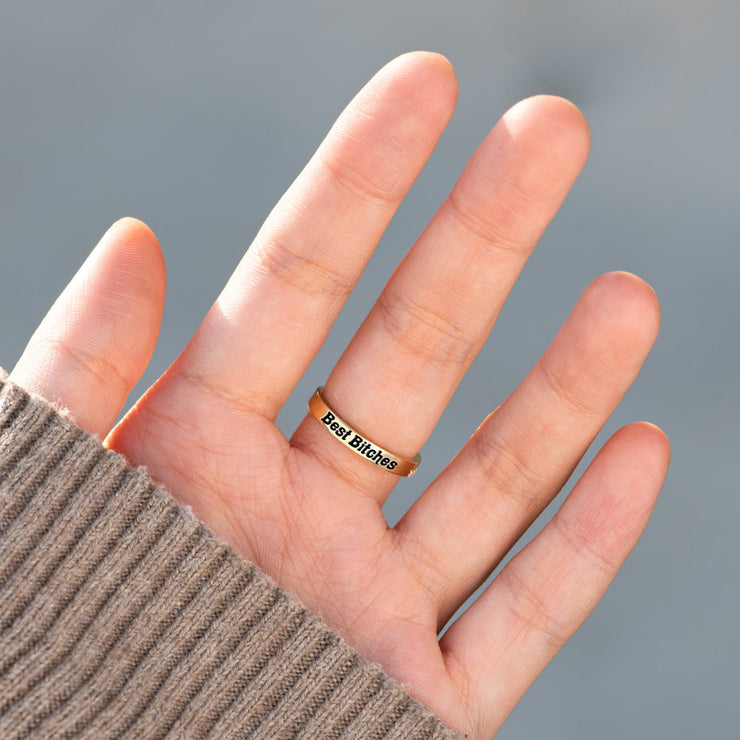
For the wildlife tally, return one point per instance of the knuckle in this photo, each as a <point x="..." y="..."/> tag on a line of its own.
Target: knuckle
<point x="508" y="471"/>
<point x="94" y="365"/>
<point x="363" y="179"/>
<point x="530" y="608"/>
<point x="498" y="231"/>
<point x="310" y="277"/>
<point x="568" y="382"/>
<point x="600" y="555"/>
<point x="423" y="332"/>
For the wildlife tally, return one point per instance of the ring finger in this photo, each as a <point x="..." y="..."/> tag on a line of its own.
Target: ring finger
<point x="521" y="456"/>
<point x="399" y="371"/>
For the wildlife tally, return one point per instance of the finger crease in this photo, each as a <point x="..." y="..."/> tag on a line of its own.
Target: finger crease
<point x="96" y="366"/>
<point x="562" y="388"/>
<point x="530" y="609"/>
<point x="583" y="547"/>
<point x="507" y="471"/>
<point x="424" y="333"/>
<point x="487" y="230"/>
<point x="310" y="277"/>
<point x="359" y="186"/>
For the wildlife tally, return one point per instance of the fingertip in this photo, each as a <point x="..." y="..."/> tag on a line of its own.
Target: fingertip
<point x="438" y="66"/>
<point x="555" y="110"/>
<point x="136" y="241"/>
<point x="424" y="77"/>
<point x="557" y="120"/>
<point x="626" y="309"/>
<point x="131" y="278"/>
<point x="129" y="260"/>
<point x="612" y="503"/>
<point x="423" y="62"/>
<point x="632" y="466"/>
<point x="385" y="135"/>
<point x="541" y="144"/>
<point x="565" y="111"/>
<point x="132" y="224"/>
<point x="646" y="442"/>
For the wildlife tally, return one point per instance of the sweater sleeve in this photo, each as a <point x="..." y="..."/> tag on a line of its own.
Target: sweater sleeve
<point x="123" y="616"/>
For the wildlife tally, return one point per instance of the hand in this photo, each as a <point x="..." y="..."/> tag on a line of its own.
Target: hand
<point x="307" y="510"/>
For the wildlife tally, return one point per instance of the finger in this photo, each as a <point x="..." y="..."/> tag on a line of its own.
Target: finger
<point x="402" y="366"/>
<point x="504" y="641"/>
<point x="522" y="455"/>
<point x="96" y="340"/>
<point x="276" y="310"/>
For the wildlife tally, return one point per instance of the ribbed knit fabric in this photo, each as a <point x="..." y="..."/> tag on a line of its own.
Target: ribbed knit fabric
<point x="121" y="616"/>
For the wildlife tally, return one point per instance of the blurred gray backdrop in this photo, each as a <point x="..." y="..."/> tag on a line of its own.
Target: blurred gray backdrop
<point x="196" y="116"/>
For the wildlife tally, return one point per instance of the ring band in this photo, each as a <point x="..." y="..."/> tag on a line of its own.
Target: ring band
<point x="358" y="443"/>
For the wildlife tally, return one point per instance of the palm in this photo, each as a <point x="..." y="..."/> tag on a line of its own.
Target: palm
<point x="307" y="510"/>
<point x="315" y="533"/>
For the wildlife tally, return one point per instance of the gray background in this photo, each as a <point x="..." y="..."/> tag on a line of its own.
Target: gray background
<point x="196" y="116"/>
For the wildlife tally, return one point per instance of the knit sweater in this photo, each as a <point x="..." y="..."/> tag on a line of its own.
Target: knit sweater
<point x="123" y="616"/>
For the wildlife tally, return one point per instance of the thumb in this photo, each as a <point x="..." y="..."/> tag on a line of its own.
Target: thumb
<point x="96" y="341"/>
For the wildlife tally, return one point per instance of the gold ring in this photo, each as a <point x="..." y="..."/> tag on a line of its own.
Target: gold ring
<point x="358" y="443"/>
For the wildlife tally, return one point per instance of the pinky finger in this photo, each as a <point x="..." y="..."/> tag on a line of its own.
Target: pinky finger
<point x="503" y="642"/>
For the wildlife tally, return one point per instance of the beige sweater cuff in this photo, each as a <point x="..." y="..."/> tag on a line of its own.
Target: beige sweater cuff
<point x="123" y="616"/>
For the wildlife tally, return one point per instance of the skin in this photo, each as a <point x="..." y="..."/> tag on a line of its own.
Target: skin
<point x="307" y="510"/>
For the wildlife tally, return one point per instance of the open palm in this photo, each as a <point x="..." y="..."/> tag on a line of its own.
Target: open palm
<point x="307" y="510"/>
